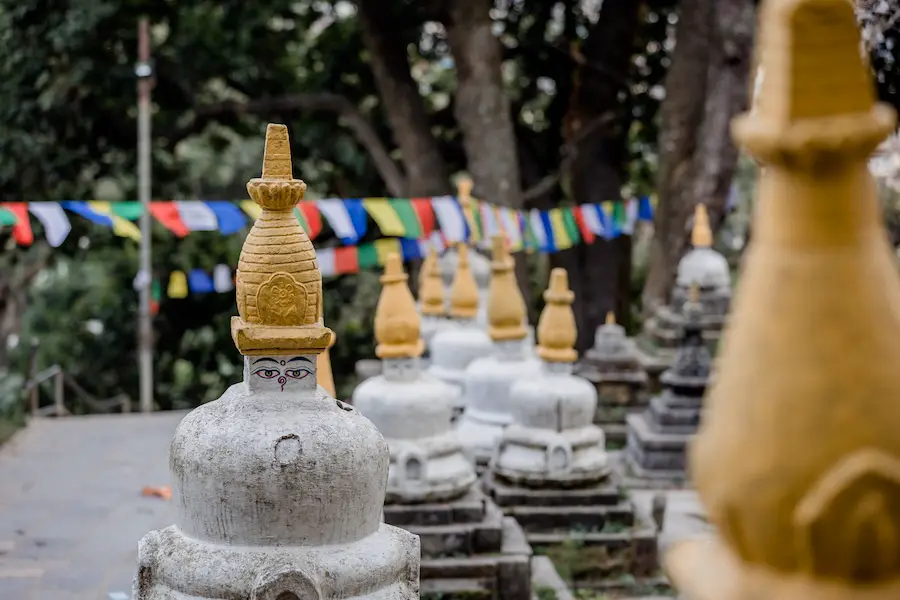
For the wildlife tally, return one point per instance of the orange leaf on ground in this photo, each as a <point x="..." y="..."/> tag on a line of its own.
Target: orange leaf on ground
<point x="164" y="492"/>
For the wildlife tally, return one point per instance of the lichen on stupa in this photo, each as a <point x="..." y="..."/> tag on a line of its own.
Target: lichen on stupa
<point x="487" y="380"/>
<point x="277" y="486"/>
<point x="798" y="460"/>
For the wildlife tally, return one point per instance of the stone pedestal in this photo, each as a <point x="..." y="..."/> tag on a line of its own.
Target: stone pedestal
<point x="609" y="535"/>
<point x="656" y="454"/>
<point x="612" y="365"/>
<point x="469" y="549"/>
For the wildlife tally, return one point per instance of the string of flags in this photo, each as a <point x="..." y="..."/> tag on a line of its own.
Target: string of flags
<point x="472" y="220"/>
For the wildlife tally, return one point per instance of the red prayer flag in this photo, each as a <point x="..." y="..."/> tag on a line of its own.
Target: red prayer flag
<point x="21" y="232"/>
<point x="425" y="213"/>
<point x="313" y="218"/>
<point x="586" y="234"/>
<point x="346" y="260"/>
<point x="167" y="214"/>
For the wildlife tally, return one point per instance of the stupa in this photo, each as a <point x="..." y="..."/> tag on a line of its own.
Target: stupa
<point x="658" y="438"/>
<point x="615" y="369"/>
<point x="798" y="459"/>
<point x="431" y="299"/>
<point x="707" y="268"/>
<point x="550" y="468"/>
<point x="488" y="379"/>
<point x="277" y="486"/>
<point x="411" y="409"/>
<point x="431" y="485"/>
<point x="453" y="348"/>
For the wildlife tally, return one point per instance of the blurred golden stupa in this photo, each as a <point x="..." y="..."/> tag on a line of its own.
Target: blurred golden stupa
<point x="798" y="458"/>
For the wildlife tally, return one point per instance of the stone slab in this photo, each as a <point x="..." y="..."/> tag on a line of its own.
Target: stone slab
<point x="468" y="509"/>
<point x="641" y="430"/>
<point x="635" y="478"/>
<point x="606" y="493"/>
<point x="71" y="509"/>
<point x="671" y="418"/>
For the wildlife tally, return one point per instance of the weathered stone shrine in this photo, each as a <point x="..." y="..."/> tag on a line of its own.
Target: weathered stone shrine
<point x="551" y="470"/>
<point x="613" y="366"/>
<point x="431" y="485"/>
<point x="278" y="487"/>
<point x="658" y="438"/>
<point x="487" y="380"/>
<point x="798" y="459"/>
<point x="706" y="267"/>
<point x="454" y="347"/>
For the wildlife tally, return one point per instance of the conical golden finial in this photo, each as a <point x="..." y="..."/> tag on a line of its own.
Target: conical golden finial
<point x="431" y="287"/>
<point x="324" y="374"/>
<point x="506" y="306"/>
<point x="805" y="492"/>
<point x="610" y="318"/>
<point x="430" y="258"/>
<point x="279" y="286"/>
<point x="464" y="288"/>
<point x="701" y="236"/>
<point x="556" y="331"/>
<point x="396" y="319"/>
<point x="694" y="292"/>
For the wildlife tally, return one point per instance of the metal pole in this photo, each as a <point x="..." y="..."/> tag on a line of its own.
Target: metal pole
<point x="144" y="73"/>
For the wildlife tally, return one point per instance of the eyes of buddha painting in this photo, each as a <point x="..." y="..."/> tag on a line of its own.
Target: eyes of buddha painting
<point x="282" y="369"/>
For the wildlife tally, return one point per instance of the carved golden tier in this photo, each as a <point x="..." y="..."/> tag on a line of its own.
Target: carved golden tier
<point x="279" y="286"/>
<point x="464" y="289"/>
<point x="396" y="320"/>
<point x="431" y="287"/>
<point x="506" y="306"/>
<point x="798" y="456"/>
<point x="556" y="330"/>
<point x="701" y="234"/>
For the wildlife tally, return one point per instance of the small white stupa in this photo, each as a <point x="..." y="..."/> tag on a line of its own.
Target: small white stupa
<point x="278" y="488"/>
<point x="431" y="299"/>
<point x="488" y="379"/>
<point x="453" y="348"/>
<point x="410" y="408"/>
<point x="553" y="441"/>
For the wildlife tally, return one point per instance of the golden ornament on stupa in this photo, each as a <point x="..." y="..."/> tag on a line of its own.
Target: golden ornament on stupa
<point x="556" y="330"/>
<point x="396" y="319"/>
<point x="798" y="458"/>
<point x="279" y="286"/>
<point x="324" y="373"/>
<point x="506" y="306"/>
<point x="610" y="318"/>
<point x="431" y="287"/>
<point x="701" y="234"/>
<point x="463" y="288"/>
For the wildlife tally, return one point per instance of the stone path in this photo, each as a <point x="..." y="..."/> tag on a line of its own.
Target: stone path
<point x="71" y="509"/>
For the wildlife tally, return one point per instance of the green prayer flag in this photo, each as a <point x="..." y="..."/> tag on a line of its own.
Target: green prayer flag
<point x="368" y="256"/>
<point x="130" y="211"/>
<point x="7" y="217"/>
<point x="407" y="215"/>
<point x="571" y="225"/>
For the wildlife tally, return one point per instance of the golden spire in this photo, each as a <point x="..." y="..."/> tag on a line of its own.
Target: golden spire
<point x="463" y="289"/>
<point x="694" y="292"/>
<point x="324" y="374"/>
<point x="610" y="318"/>
<point x="464" y="195"/>
<point x="798" y="459"/>
<point x="556" y="330"/>
<point x="506" y="306"/>
<point x="701" y="235"/>
<point x="396" y="319"/>
<point x="431" y="287"/>
<point x="279" y="286"/>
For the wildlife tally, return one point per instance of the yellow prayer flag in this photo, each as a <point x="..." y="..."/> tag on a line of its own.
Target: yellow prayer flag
<point x="252" y="209"/>
<point x="178" y="286"/>
<point x="384" y="247"/>
<point x="561" y="237"/>
<point x="385" y="216"/>
<point x="121" y="227"/>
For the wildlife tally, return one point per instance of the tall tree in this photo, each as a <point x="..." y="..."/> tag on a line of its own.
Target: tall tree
<point x="706" y="87"/>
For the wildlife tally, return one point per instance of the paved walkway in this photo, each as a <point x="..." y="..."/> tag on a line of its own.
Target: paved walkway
<point x="71" y="509"/>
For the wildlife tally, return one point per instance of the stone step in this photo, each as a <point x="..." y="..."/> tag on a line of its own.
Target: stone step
<point x="606" y="493"/>
<point x="566" y="518"/>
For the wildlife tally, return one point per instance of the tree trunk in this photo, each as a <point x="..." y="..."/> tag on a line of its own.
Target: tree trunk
<point x="596" y="127"/>
<point x="706" y="87"/>
<point x="426" y="171"/>
<point x="481" y="108"/>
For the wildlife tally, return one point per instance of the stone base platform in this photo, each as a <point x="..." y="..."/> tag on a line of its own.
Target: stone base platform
<point x="470" y="550"/>
<point x="655" y="362"/>
<point x="612" y="420"/>
<point x="610" y="535"/>
<point x="653" y="459"/>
